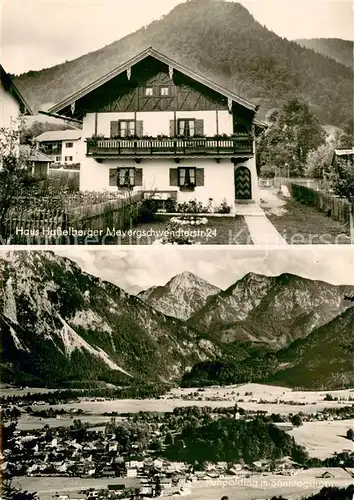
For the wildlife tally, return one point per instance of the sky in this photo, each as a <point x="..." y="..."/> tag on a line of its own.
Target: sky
<point x="41" y="33"/>
<point x="138" y="268"/>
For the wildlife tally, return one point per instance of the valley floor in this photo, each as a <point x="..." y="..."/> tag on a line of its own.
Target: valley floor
<point x="271" y="399"/>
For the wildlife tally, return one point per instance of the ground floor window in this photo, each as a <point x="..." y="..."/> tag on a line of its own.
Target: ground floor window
<point x="126" y="177"/>
<point x="186" y="177"/>
<point x="68" y="158"/>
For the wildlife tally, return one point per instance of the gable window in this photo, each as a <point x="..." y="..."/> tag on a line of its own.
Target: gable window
<point x="186" y="128"/>
<point x="126" y="177"/>
<point x="186" y="177"/>
<point x="149" y="91"/>
<point x="164" y="91"/>
<point x="69" y="144"/>
<point x="126" y="128"/>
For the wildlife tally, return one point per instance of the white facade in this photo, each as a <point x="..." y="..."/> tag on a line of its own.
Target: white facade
<point x="9" y="109"/>
<point x="219" y="177"/>
<point x="158" y="122"/>
<point x="70" y="154"/>
<point x="219" y="184"/>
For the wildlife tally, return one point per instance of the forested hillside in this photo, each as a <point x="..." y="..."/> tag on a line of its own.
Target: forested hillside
<point x="335" y="48"/>
<point x="224" y="42"/>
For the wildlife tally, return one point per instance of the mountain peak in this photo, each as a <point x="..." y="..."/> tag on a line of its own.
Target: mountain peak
<point x="182" y="295"/>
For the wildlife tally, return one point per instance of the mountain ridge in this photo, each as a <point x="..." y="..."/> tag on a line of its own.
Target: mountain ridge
<point x="337" y="49"/>
<point x="286" y="306"/>
<point x="223" y="41"/>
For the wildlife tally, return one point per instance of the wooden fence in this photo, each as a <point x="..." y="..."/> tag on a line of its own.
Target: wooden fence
<point x="50" y="221"/>
<point x="302" y="181"/>
<point x="109" y="215"/>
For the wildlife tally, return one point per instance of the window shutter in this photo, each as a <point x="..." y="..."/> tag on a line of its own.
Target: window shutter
<point x="199" y="127"/>
<point x="173" y="177"/>
<point x="139" y="128"/>
<point x="199" y="177"/>
<point x="138" y="177"/>
<point x="113" y="177"/>
<point x="114" y="129"/>
<point x="172" y="128"/>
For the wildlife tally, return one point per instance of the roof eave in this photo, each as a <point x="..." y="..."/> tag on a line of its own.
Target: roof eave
<point x="139" y="57"/>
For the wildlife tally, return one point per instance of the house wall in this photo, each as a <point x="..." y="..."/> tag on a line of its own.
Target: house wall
<point x="74" y="151"/>
<point x="218" y="178"/>
<point x="158" y="122"/>
<point x="9" y="109"/>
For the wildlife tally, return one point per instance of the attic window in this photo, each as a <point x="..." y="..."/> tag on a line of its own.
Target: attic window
<point x="148" y="91"/>
<point x="164" y="91"/>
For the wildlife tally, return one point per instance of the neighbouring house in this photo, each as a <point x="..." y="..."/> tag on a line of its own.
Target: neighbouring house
<point x="12" y="107"/>
<point x="62" y="146"/>
<point x="13" y="104"/>
<point x="155" y="125"/>
<point x="38" y="161"/>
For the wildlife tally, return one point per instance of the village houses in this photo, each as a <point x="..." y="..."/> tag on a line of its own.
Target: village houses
<point x="154" y="125"/>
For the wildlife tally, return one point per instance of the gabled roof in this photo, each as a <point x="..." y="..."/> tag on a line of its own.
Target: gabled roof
<point x="164" y="59"/>
<point x="59" y="135"/>
<point x="9" y="85"/>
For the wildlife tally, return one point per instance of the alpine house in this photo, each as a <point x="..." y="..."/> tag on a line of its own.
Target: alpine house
<point x="154" y="125"/>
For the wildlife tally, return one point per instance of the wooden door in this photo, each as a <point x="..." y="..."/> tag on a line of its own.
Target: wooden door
<point x="243" y="185"/>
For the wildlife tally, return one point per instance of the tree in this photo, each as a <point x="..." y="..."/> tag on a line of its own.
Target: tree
<point x="296" y="420"/>
<point x="350" y="434"/>
<point x="37" y="128"/>
<point x="16" y="178"/>
<point x="293" y="132"/>
<point x="318" y="162"/>
<point x="342" y="182"/>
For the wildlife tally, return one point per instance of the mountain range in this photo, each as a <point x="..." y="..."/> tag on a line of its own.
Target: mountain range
<point x="222" y="41"/>
<point x="60" y="325"/>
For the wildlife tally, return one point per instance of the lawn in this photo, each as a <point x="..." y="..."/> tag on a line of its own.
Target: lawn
<point x="301" y="224"/>
<point x="218" y="231"/>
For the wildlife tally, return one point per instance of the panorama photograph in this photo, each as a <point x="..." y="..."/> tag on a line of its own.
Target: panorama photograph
<point x="215" y="374"/>
<point x="176" y="122"/>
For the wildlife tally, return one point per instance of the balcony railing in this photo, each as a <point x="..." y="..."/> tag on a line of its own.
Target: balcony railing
<point x="208" y="146"/>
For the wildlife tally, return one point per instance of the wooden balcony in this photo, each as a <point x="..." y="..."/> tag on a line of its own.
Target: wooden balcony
<point x="170" y="147"/>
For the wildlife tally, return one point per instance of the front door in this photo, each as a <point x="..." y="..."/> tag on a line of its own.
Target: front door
<point x="243" y="186"/>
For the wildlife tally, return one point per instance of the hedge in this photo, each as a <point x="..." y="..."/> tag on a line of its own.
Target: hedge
<point x="337" y="208"/>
